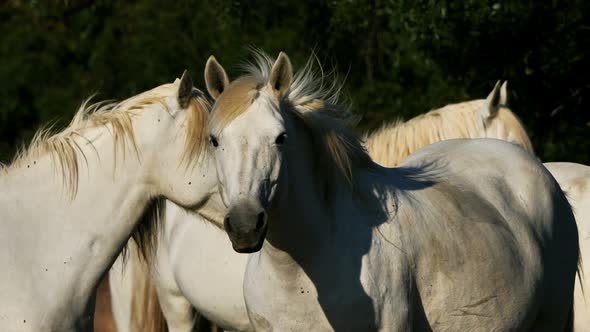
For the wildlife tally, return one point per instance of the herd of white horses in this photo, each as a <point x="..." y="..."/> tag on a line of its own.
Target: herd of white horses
<point x="258" y="208"/>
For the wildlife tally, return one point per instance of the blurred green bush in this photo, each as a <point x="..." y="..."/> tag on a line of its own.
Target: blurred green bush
<point x="400" y="58"/>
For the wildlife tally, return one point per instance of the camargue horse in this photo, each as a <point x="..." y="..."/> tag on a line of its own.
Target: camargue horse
<point x="481" y="118"/>
<point x="71" y="200"/>
<point x="465" y="235"/>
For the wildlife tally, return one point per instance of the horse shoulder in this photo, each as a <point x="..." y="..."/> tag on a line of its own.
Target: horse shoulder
<point x="386" y="269"/>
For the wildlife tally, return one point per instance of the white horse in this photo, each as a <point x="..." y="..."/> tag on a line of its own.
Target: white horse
<point x="71" y="201"/>
<point x="480" y="118"/>
<point x="491" y="118"/>
<point x="488" y="117"/>
<point x="466" y="235"/>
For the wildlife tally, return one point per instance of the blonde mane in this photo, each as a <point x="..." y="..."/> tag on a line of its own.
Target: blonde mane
<point x="393" y="142"/>
<point x="313" y="97"/>
<point x="67" y="154"/>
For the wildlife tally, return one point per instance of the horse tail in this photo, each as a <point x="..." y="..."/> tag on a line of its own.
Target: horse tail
<point x="569" y="324"/>
<point x="580" y="271"/>
<point x="146" y="313"/>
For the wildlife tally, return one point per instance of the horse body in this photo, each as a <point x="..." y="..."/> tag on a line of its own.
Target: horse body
<point x="363" y="277"/>
<point x="351" y="279"/>
<point x="70" y="203"/>
<point x="467" y="235"/>
<point x="489" y="118"/>
<point x="185" y="250"/>
<point x="509" y="247"/>
<point x="220" y="301"/>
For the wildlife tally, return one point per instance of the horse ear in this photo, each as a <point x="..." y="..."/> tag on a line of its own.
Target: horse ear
<point x="215" y="77"/>
<point x="281" y="75"/>
<point x="504" y="94"/>
<point x="185" y="90"/>
<point x="491" y="105"/>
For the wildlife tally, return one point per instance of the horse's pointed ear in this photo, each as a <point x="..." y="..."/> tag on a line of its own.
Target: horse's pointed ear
<point x="215" y="77"/>
<point x="491" y="105"/>
<point x="185" y="90"/>
<point x="504" y="94"/>
<point x="281" y="75"/>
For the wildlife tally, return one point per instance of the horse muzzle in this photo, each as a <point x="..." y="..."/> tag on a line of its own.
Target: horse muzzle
<point x="246" y="225"/>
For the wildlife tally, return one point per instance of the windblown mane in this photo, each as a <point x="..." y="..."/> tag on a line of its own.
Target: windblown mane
<point x="393" y="142"/>
<point x="67" y="154"/>
<point x="313" y="98"/>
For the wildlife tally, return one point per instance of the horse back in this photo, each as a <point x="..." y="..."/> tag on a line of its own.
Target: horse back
<point x="491" y="234"/>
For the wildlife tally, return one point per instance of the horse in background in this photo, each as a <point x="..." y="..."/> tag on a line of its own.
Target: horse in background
<point x="481" y="118"/>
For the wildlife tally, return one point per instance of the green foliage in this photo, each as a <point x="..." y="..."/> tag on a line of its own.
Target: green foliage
<point x="401" y="58"/>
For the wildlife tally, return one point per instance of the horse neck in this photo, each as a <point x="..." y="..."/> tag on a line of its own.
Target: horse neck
<point x="314" y="245"/>
<point x="302" y="223"/>
<point x="63" y="243"/>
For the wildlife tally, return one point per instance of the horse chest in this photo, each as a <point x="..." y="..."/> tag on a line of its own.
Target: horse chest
<point x="346" y="292"/>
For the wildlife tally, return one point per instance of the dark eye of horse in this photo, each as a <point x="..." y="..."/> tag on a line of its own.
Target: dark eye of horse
<point x="280" y="140"/>
<point x="213" y="141"/>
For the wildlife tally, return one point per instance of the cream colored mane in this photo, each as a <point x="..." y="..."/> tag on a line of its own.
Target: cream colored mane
<point x="393" y="142"/>
<point x="67" y="154"/>
<point x="311" y="99"/>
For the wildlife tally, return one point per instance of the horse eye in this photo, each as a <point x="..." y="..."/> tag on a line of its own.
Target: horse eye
<point x="280" y="140"/>
<point x="213" y="141"/>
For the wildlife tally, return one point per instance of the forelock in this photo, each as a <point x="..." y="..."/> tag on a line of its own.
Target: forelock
<point x="234" y="101"/>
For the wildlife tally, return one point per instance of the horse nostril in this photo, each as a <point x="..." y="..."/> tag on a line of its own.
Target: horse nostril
<point x="260" y="222"/>
<point x="227" y="225"/>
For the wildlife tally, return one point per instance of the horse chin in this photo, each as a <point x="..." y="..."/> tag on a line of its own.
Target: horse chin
<point x="248" y="249"/>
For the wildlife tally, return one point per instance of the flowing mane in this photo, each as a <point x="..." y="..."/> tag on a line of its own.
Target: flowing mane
<point x="393" y="142"/>
<point x="67" y="154"/>
<point x="314" y="98"/>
